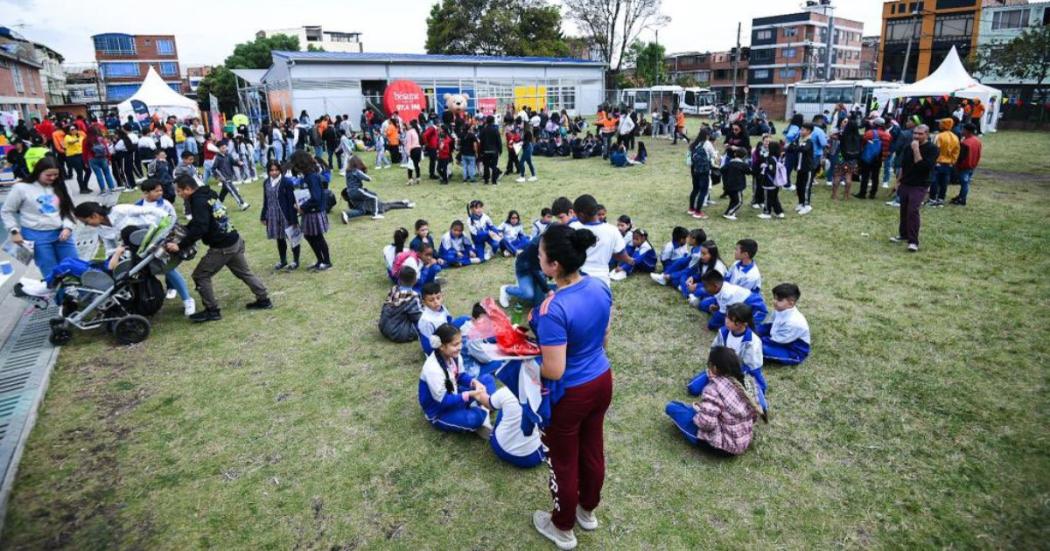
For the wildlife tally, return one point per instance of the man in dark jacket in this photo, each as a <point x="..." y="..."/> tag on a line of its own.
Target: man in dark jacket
<point x="491" y="147"/>
<point x="211" y="225"/>
<point x="917" y="161"/>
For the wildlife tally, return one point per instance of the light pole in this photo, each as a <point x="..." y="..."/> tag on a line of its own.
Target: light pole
<point x="907" y="52"/>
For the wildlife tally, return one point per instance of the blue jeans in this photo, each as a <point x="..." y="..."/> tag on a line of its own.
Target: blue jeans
<point x="207" y="170"/>
<point x="965" y="176"/>
<point x="470" y="167"/>
<point x="48" y="251"/>
<point x="179" y="148"/>
<point x="526" y="157"/>
<point x="278" y="151"/>
<point x="887" y="167"/>
<point x="528" y="290"/>
<point x="942" y="176"/>
<point x="100" y="167"/>
<point x="174" y="280"/>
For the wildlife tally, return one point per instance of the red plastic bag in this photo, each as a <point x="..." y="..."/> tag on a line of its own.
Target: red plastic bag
<point x="511" y="340"/>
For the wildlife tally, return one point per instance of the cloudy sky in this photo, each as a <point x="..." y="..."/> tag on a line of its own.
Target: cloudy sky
<point x="206" y="32"/>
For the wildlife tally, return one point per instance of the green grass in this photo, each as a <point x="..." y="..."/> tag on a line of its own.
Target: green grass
<point x="919" y="420"/>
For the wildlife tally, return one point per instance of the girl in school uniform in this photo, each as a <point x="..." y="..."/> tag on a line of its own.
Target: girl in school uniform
<point x="482" y="231"/>
<point x="623" y="223"/>
<point x="675" y="248"/>
<point x="423" y="236"/>
<point x="710" y="259"/>
<point x="280" y="216"/>
<point x="455" y="249"/>
<point x="516" y="433"/>
<point x="723" y="421"/>
<point x="391" y="252"/>
<point x="447" y="394"/>
<point x="739" y="335"/>
<point x="642" y="256"/>
<point x="313" y="215"/>
<point x="514" y="237"/>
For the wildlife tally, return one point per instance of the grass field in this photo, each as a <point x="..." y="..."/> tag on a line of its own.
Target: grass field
<point x="919" y="421"/>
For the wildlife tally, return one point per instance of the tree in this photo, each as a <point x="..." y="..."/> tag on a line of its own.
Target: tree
<point x="312" y="48"/>
<point x="495" y="27"/>
<point x="255" y="54"/>
<point x="1026" y="57"/>
<point x="648" y="60"/>
<point x="687" y="81"/>
<point x="613" y="25"/>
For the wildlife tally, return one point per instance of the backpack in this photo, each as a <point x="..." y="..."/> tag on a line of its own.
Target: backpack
<point x="699" y="161"/>
<point x="780" y="178"/>
<point x="872" y="149"/>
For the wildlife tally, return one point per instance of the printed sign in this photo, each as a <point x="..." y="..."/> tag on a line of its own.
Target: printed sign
<point x="406" y="98"/>
<point x="141" y="111"/>
<point x="487" y="106"/>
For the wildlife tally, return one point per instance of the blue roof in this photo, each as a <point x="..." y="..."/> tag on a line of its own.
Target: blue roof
<point x="376" y="57"/>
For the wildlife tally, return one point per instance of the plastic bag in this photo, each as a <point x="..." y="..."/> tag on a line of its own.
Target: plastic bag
<point x="511" y="340"/>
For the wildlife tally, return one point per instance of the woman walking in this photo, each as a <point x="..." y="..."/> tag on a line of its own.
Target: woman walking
<point x="39" y="210"/>
<point x="572" y="326"/>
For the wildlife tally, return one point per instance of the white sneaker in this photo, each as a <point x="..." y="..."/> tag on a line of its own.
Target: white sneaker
<point x="172" y="293"/>
<point x="805" y="210"/>
<point x="34" y="287"/>
<point x="519" y="180"/>
<point x="885" y="185"/>
<point x="893" y="204"/>
<point x="246" y="206"/>
<point x="564" y="539"/>
<point x="617" y="275"/>
<point x="586" y="519"/>
<point x="913" y="248"/>
<point x="345" y="217"/>
<point x="410" y="204"/>
<point x="659" y="278"/>
<point x="798" y="207"/>
<point x="189" y="307"/>
<point x="756" y="206"/>
<point x="694" y="301"/>
<point x="781" y="215"/>
<point x="378" y="217"/>
<point x="764" y="216"/>
<point x="729" y="217"/>
<point x="533" y="178"/>
<point x="504" y="297"/>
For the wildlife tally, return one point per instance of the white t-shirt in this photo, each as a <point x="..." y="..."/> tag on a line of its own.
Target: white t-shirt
<point x="508" y="430"/>
<point x="610" y="243"/>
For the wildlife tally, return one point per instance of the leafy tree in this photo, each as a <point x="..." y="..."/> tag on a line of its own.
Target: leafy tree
<point x="613" y="25"/>
<point x="248" y="55"/>
<point x="648" y="62"/>
<point x="1026" y="57"/>
<point x="495" y="27"/>
<point x="687" y="81"/>
<point x="312" y="48"/>
<point x="222" y="83"/>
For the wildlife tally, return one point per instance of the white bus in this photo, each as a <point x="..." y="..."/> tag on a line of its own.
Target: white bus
<point x="813" y="98"/>
<point x="693" y="101"/>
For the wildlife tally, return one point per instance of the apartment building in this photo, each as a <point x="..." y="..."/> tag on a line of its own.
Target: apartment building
<point x="320" y="39"/>
<point x="922" y="33"/>
<point x="124" y="61"/>
<point x="21" y="88"/>
<point x="1002" y="21"/>
<point x="712" y="70"/>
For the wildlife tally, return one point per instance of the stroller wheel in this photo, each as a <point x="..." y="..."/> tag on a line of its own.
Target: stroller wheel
<point x="131" y="329"/>
<point x="61" y="334"/>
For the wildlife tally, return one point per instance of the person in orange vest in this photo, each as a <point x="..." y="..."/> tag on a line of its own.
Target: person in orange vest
<point x="393" y="139"/>
<point x="608" y="130"/>
<point x="679" y="127"/>
<point x="976" y="114"/>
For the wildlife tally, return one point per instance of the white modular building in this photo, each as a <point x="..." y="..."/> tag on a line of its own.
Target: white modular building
<point x="346" y="83"/>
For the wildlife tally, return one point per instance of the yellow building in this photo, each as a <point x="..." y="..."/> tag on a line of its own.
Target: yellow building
<point x="931" y="27"/>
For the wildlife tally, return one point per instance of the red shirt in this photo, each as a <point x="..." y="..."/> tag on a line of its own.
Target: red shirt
<point x="445" y="148"/>
<point x="973" y="154"/>
<point x="430" y="137"/>
<point x="884" y="140"/>
<point x="45" y="129"/>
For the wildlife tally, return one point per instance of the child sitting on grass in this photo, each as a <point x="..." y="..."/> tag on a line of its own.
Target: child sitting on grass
<point x="477" y="360"/>
<point x="786" y="340"/>
<point x="738" y="335"/>
<point x="455" y="249"/>
<point x="722" y="422"/>
<point x="482" y="231"/>
<point x="401" y="310"/>
<point x="726" y="294"/>
<point x="540" y="224"/>
<point x="692" y="288"/>
<point x="675" y="248"/>
<point x="744" y="272"/>
<point x="679" y="269"/>
<point x="641" y="256"/>
<point x="514" y="237"/>
<point x="626" y="227"/>
<point x="448" y="395"/>
<point x="434" y="315"/>
<point x="516" y="435"/>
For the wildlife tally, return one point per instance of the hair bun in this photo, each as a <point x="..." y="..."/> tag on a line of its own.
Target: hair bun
<point x="435" y="341"/>
<point x="583" y="239"/>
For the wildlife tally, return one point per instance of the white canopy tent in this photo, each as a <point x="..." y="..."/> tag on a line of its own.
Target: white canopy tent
<point x="950" y="79"/>
<point x="159" y="99"/>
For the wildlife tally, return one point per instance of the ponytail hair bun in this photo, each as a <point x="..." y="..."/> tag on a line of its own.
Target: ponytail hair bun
<point x="583" y="239"/>
<point x="567" y="246"/>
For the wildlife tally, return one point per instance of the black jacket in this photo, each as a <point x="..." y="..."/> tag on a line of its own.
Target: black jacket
<point x="490" y="140"/>
<point x="734" y="175"/>
<point x="399" y="316"/>
<point x="918" y="173"/>
<point x="210" y="224"/>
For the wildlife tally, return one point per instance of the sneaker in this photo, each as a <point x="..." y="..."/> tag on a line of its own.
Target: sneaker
<point x="506" y="254"/>
<point x="617" y="275"/>
<point x="410" y="204"/>
<point x="189" y="307"/>
<point x="806" y="210"/>
<point x="897" y="239"/>
<point x="885" y="185"/>
<point x="563" y="539"/>
<point x="894" y="204"/>
<point x="798" y="207"/>
<point x="378" y="217"/>
<point x="504" y="297"/>
<point x="345" y="217"/>
<point x="292" y="267"/>
<point x="519" y="180"/>
<point x="586" y="519"/>
<point x="756" y="206"/>
<point x="694" y="301"/>
<point x="659" y="278"/>
<point x="533" y="179"/>
<point x="691" y="212"/>
<point x="913" y="248"/>
<point x="260" y="304"/>
<point x="322" y="267"/>
<point x="699" y="215"/>
<point x="729" y="217"/>
<point x="765" y="216"/>
<point x="206" y="316"/>
<point x="781" y="215"/>
<point x="246" y="206"/>
<point x="172" y="293"/>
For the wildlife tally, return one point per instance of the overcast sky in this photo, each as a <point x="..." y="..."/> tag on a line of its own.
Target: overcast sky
<point x="205" y="32"/>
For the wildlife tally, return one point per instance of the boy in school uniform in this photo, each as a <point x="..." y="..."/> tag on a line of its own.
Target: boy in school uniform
<point x="726" y="294"/>
<point x="401" y="310"/>
<point x="434" y="315"/>
<point x="675" y="248"/>
<point x="516" y="434"/>
<point x="738" y="336"/>
<point x="786" y="340"/>
<point x="541" y="224"/>
<point x="744" y="272"/>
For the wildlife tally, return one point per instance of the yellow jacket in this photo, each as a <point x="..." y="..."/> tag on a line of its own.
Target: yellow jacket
<point x="948" y="144"/>
<point x="74" y="145"/>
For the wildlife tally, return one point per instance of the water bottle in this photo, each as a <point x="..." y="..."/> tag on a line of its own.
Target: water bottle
<point x="517" y="316"/>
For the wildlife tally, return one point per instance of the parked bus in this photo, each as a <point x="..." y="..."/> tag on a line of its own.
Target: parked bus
<point x="813" y="98"/>
<point x="693" y="101"/>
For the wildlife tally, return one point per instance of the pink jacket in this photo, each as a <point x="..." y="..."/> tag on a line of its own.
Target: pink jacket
<point x="411" y="140"/>
<point x="726" y="416"/>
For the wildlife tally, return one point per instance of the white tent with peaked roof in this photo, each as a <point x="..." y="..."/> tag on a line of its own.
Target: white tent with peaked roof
<point x="159" y="99"/>
<point x="950" y="79"/>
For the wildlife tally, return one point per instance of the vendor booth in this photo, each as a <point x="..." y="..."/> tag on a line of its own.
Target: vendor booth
<point x="155" y="97"/>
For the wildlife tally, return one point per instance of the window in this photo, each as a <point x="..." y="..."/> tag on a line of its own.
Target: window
<point x="1010" y="19"/>
<point x="789" y="52"/>
<point x="16" y="74"/>
<point x="807" y="95"/>
<point x="902" y="30"/>
<point x="118" y="70"/>
<point x="760" y="73"/>
<point x="166" y="47"/>
<point x="957" y="25"/>
<point x="176" y="87"/>
<point x="120" y="92"/>
<point x="763" y="35"/>
<point x="788" y="73"/>
<point x="115" y="44"/>
<point x="169" y="68"/>
<point x="765" y="55"/>
<point x="790" y="31"/>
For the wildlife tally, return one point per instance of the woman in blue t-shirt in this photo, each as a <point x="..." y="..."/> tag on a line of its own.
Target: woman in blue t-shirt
<point x="572" y="325"/>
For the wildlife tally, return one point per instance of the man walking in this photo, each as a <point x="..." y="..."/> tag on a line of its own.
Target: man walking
<point x="917" y="163"/>
<point x="969" y="158"/>
<point x="211" y="225"/>
<point x="491" y="145"/>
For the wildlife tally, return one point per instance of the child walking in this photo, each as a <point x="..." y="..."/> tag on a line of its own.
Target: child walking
<point x="280" y="215"/>
<point x="774" y="177"/>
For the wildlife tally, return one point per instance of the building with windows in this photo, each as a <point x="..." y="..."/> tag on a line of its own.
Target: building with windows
<point x="1001" y="22"/>
<point x="712" y="70"/>
<point x="194" y="75"/>
<point x="922" y="33"/>
<point x="869" y="58"/>
<point x="124" y="60"/>
<point x="346" y="83"/>
<point x="21" y="87"/>
<point x="52" y="77"/>
<point x="809" y="45"/>
<point x="319" y="39"/>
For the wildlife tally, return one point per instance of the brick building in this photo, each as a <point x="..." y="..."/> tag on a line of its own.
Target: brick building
<point x="786" y="49"/>
<point x="194" y="75"/>
<point x="124" y="60"/>
<point x="712" y="70"/>
<point x="21" y="87"/>
<point x="869" y="58"/>
<point x="932" y="27"/>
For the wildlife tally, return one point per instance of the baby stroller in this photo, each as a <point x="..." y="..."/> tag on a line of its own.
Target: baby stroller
<point x="121" y="302"/>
